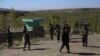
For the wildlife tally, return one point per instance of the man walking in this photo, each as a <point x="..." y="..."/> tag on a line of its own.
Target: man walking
<point x="51" y="31"/>
<point x="65" y="37"/>
<point x="58" y="32"/>
<point x="85" y="35"/>
<point x="26" y="41"/>
<point x="10" y="38"/>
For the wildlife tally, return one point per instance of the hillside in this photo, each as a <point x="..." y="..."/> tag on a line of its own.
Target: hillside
<point x="53" y="16"/>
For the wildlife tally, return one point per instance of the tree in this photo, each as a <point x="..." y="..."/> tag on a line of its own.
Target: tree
<point x="12" y="17"/>
<point x="3" y="22"/>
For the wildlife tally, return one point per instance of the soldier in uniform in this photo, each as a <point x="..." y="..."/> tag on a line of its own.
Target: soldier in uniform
<point x="85" y="35"/>
<point x="65" y="37"/>
<point x="51" y="31"/>
<point x="24" y="31"/>
<point x="26" y="41"/>
<point x="58" y="32"/>
<point x="10" y="38"/>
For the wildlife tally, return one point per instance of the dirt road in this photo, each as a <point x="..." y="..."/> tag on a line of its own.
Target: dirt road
<point x="51" y="48"/>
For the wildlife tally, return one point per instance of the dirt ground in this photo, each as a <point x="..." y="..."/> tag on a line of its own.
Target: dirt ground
<point x="51" y="48"/>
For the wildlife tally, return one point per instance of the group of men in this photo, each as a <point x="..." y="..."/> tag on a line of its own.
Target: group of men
<point x="65" y="34"/>
<point x="25" y="35"/>
<point x="57" y="28"/>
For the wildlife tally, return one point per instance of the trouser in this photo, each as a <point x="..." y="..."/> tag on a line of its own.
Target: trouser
<point x="51" y="36"/>
<point x="27" y="43"/>
<point x="85" y="43"/>
<point x="84" y="40"/>
<point x="65" y="44"/>
<point x="9" y="44"/>
<point x="58" y="37"/>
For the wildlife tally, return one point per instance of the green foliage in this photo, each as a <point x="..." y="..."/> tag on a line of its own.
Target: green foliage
<point x="3" y="23"/>
<point x="59" y="16"/>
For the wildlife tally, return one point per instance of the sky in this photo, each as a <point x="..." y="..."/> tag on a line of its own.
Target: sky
<point x="48" y="4"/>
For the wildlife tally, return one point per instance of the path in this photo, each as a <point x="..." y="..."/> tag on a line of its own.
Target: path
<point x="51" y="48"/>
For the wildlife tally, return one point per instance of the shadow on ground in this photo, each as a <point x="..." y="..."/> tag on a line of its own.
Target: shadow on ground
<point x="75" y="41"/>
<point x="33" y="49"/>
<point x="86" y="53"/>
<point x="22" y="47"/>
<point x="94" y="46"/>
<point x="41" y="49"/>
<point x="36" y="44"/>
